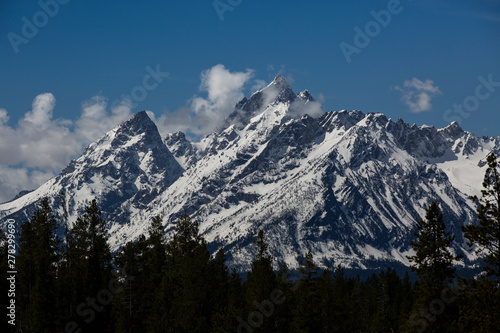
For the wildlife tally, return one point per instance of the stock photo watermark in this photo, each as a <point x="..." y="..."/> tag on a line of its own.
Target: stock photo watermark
<point x="11" y="273"/>
<point x="150" y="82"/>
<point x="40" y="19"/>
<point x="137" y="94"/>
<point x="372" y="29"/>
<point x="263" y="309"/>
<point x="223" y="6"/>
<point x="87" y="309"/>
<point x="426" y="315"/>
<point x="471" y="103"/>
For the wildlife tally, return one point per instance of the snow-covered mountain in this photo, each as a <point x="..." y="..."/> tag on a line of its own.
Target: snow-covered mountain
<point x="125" y="170"/>
<point x="347" y="186"/>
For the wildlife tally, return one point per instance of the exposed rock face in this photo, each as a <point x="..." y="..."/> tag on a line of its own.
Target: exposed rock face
<point x="347" y="186"/>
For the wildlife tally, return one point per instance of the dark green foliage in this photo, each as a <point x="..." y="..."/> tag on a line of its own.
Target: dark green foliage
<point x="326" y="301"/>
<point x="261" y="279"/>
<point x="284" y="310"/>
<point x="260" y="283"/>
<point x="177" y="286"/>
<point x="139" y="306"/>
<point x="131" y="304"/>
<point x="306" y="313"/>
<point x="486" y="235"/>
<point x="186" y="292"/>
<point x="39" y="254"/>
<point x="225" y="294"/>
<point x="91" y="270"/>
<point x="479" y="305"/>
<point x="433" y="260"/>
<point x="433" y="263"/>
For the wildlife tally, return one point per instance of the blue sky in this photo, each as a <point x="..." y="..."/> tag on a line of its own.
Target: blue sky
<point x="422" y="63"/>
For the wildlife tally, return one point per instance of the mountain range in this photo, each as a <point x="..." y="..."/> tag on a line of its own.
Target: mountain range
<point x="345" y="185"/>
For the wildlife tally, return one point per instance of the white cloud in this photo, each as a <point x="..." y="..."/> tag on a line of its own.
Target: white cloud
<point x="95" y="120"/>
<point x="38" y="147"/>
<point x="4" y="117"/>
<point x="300" y="108"/>
<point x="178" y="121"/>
<point x="14" y="180"/>
<point x="418" y="94"/>
<point x="258" y="85"/>
<point x="223" y="88"/>
<point x="321" y="98"/>
<point x="41" y="114"/>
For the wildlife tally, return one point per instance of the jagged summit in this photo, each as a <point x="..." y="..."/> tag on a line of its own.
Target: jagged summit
<point x="139" y="132"/>
<point x="139" y="123"/>
<point x="181" y="148"/>
<point x="345" y="185"/>
<point x="279" y="79"/>
<point x="305" y="95"/>
<point x="276" y="92"/>
<point x="124" y="170"/>
<point x="453" y="129"/>
<point x="280" y="82"/>
<point x="140" y="116"/>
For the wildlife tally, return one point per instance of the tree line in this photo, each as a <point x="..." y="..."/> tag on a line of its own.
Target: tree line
<point x="73" y="283"/>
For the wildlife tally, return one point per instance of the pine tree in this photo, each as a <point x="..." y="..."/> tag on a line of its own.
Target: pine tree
<point x="479" y="306"/>
<point x="341" y="304"/>
<point x="218" y="281"/>
<point x="227" y="320"/>
<point x="486" y="235"/>
<point x="260" y="283"/>
<point x="326" y="300"/>
<point x="306" y="312"/>
<point x="406" y="300"/>
<point x="91" y="261"/>
<point x="139" y="306"/>
<point x="359" y="318"/>
<point x="129" y="305"/>
<point x="284" y="310"/>
<point x="67" y="276"/>
<point x="388" y="302"/>
<point x="480" y="303"/>
<point x="39" y="254"/>
<point x="224" y="312"/>
<point x="433" y="262"/>
<point x="155" y="268"/>
<point x="184" y="289"/>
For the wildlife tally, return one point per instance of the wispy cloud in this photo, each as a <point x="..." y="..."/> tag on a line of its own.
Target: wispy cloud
<point x="490" y="12"/>
<point x="223" y="89"/>
<point x="38" y="146"/>
<point x="490" y="17"/>
<point x="417" y="94"/>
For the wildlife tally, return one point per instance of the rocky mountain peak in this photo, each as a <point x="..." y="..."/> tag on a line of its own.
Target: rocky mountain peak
<point x="453" y="129"/>
<point x="305" y="95"/>
<point x="347" y="186"/>
<point x="138" y="123"/>
<point x="279" y="80"/>
<point x="278" y="91"/>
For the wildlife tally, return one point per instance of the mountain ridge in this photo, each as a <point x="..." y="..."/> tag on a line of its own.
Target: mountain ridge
<point x="345" y="185"/>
